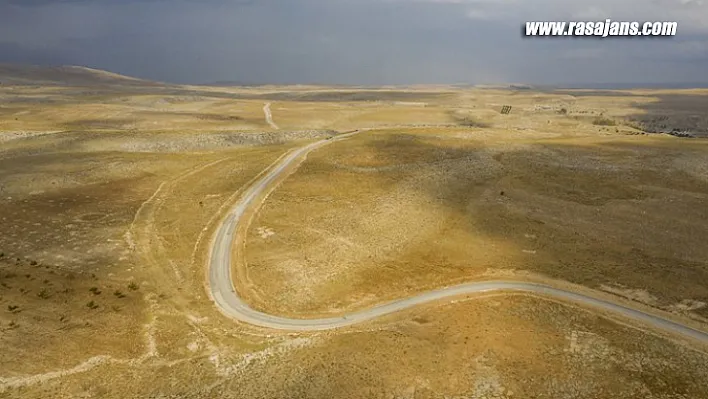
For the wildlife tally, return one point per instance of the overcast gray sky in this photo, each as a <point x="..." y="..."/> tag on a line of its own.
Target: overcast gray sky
<point x="353" y="41"/>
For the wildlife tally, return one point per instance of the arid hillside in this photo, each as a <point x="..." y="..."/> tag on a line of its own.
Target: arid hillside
<point x="112" y="190"/>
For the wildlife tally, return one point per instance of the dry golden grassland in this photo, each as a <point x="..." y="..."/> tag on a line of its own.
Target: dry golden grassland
<point x="393" y="212"/>
<point x="109" y="198"/>
<point x="505" y="346"/>
<point x="89" y="237"/>
<point x="33" y="110"/>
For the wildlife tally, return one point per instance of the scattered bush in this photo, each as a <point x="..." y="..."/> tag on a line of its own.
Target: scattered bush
<point x="602" y="121"/>
<point x="119" y="294"/>
<point x="634" y="125"/>
<point x="95" y="290"/>
<point x="472" y="122"/>
<point x="43" y="294"/>
<point x="563" y="111"/>
<point x="12" y="308"/>
<point x="132" y="286"/>
<point x="92" y="305"/>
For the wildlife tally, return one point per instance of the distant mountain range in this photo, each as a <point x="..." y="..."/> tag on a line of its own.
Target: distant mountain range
<point x="609" y="86"/>
<point x="83" y="76"/>
<point x="230" y="83"/>
<point x="17" y="74"/>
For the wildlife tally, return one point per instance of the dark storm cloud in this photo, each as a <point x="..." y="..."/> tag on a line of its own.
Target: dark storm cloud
<point x="351" y="41"/>
<point x="31" y="3"/>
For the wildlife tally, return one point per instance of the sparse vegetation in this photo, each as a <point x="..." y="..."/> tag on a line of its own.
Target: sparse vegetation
<point x="418" y="205"/>
<point x="602" y="121"/>
<point x="469" y="121"/>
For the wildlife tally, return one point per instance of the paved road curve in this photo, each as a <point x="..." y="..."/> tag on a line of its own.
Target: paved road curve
<point x="229" y="302"/>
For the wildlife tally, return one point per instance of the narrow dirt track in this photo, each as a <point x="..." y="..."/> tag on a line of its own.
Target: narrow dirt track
<point x="223" y="293"/>
<point x="269" y="116"/>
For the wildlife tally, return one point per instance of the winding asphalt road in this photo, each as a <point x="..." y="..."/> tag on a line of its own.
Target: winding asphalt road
<point x="227" y="299"/>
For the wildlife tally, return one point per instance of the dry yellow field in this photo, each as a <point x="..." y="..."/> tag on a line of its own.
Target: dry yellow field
<point x="404" y="211"/>
<point x="110" y="195"/>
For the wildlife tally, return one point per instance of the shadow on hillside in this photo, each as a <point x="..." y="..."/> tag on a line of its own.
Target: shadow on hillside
<point x="467" y="121"/>
<point x="674" y="113"/>
<point x="684" y="115"/>
<point x="59" y="217"/>
<point x="590" y="214"/>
